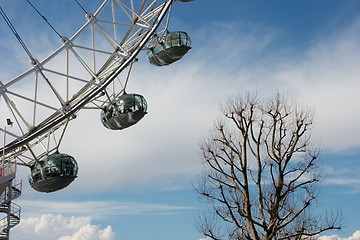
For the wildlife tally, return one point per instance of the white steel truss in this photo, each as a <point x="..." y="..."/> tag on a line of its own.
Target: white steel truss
<point x="38" y="104"/>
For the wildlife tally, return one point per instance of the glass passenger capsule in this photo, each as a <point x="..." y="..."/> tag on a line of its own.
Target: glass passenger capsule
<point x="172" y="48"/>
<point x="56" y="172"/>
<point x="125" y="111"/>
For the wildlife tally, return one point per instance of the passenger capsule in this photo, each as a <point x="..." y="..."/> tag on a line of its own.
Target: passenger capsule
<point x="56" y="172"/>
<point x="170" y="49"/>
<point x="125" y="111"/>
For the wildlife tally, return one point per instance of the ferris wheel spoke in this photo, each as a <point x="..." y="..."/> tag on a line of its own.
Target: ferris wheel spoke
<point x="16" y="113"/>
<point x="29" y="100"/>
<point x="53" y="89"/>
<point x="66" y="75"/>
<point x="132" y="14"/>
<point x="112" y="41"/>
<point x="84" y="64"/>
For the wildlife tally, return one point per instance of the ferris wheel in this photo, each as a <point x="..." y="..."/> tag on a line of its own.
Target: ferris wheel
<point x="90" y="70"/>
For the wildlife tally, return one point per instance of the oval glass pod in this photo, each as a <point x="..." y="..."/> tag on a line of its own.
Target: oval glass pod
<point x="124" y="112"/>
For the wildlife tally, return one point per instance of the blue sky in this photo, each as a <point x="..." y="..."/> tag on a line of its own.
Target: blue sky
<point x="136" y="184"/>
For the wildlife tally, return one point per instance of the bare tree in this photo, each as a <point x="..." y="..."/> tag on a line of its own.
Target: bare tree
<point x="260" y="173"/>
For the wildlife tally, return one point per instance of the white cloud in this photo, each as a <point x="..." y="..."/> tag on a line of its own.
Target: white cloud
<point x="326" y="76"/>
<point x="59" y="227"/>
<point x="355" y="236"/>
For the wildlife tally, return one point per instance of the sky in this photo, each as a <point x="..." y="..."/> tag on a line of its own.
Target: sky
<point x="137" y="184"/>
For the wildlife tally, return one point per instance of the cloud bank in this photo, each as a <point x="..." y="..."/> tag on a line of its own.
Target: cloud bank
<point x="59" y="227"/>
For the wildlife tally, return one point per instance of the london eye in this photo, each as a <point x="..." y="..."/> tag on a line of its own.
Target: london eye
<point x="90" y="70"/>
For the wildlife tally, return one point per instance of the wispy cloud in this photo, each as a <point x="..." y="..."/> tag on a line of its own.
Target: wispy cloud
<point x="99" y="209"/>
<point x="341" y="170"/>
<point x="343" y="181"/>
